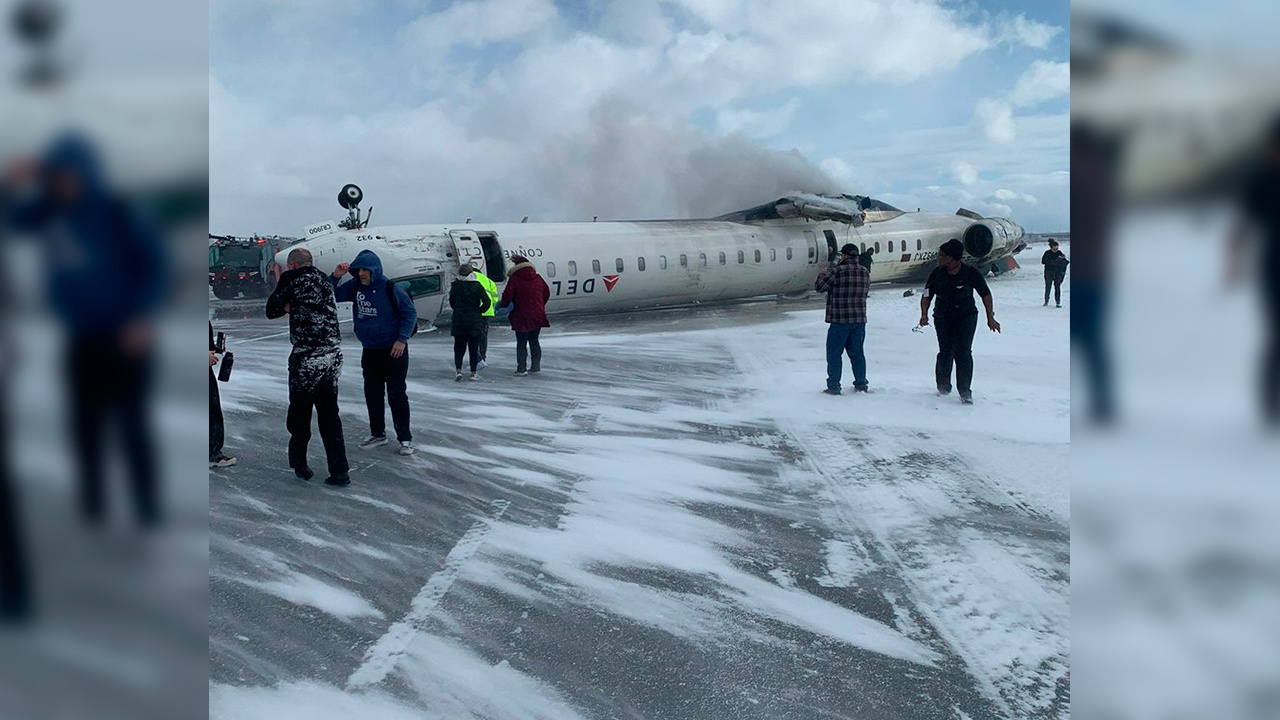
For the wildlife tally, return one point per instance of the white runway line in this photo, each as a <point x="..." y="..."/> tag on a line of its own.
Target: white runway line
<point x="381" y="659"/>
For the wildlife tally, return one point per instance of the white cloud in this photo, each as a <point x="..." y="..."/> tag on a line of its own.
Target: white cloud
<point x="1006" y="195"/>
<point x="757" y="124"/>
<point x="478" y="23"/>
<point x="1042" y="81"/>
<point x="996" y="119"/>
<point x="966" y="173"/>
<point x="995" y="209"/>
<point x="1026" y="32"/>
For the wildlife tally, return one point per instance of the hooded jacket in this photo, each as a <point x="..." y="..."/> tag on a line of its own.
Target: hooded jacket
<point x="379" y="321"/>
<point x="313" y="326"/>
<point x="105" y="266"/>
<point x="530" y="293"/>
<point x="469" y="301"/>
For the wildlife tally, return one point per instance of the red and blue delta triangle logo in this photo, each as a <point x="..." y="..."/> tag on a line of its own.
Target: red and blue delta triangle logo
<point x="610" y="281"/>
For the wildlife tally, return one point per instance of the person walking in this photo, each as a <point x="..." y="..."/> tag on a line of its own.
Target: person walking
<point x="847" y="286"/>
<point x="528" y="293"/>
<point x="384" y="319"/>
<point x="1055" y="271"/>
<point x="955" y="316"/>
<point x="315" y="364"/>
<point x="469" y="300"/>
<point x="492" y="289"/>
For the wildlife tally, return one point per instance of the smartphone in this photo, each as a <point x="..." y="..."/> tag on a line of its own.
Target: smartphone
<point x="224" y="372"/>
<point x="220" y="345"/>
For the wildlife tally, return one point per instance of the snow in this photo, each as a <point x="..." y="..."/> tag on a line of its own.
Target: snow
<point x="703" y="505"/>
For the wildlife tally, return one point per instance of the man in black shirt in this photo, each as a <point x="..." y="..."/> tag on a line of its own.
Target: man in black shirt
<point x="955" y="316"/>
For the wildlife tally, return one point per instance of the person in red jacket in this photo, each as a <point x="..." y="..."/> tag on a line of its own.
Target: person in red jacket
<point x="528" y="293"/>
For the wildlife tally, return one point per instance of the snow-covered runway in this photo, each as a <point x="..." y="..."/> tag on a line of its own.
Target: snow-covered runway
<point x="687" y="528"/>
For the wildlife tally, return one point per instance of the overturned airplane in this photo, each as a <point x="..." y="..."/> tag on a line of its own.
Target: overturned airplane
<point x="773" y="249"/>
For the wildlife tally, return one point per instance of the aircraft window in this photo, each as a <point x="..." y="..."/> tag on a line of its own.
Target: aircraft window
<point x="573" y="268"/>
<point x="890" y="246"/>
<point x="595" y="266"/>
<point x="864" y="248"/>
<point x="757" y="256"/>
<point x="662" y="262"/>
<point x="877" y="247"/>
<point x="773" y="255"/>
<point x="640" y="264"/>
<point x="420" y="285"/>
<point x="919" y="244"/>
<point x="619" y="265"/>
<point x="702" y="259"/>
<point x="788" y="253"/>
<point x="551" y="269"/>
<point x="684" y="260"/>
<point x="721" y="258"/>
<point x="813" y="246"/>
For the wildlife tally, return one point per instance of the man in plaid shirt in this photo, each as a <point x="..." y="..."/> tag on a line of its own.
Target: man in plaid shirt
<point x="847" y="286"/>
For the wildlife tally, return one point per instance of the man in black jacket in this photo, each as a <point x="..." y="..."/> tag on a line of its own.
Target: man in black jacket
<point x="955" y="316"/>
<point x="1055" y="271"/>
<point x="305" y="295"/>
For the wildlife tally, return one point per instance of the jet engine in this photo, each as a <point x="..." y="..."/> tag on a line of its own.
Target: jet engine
<point x="991" y="238"/>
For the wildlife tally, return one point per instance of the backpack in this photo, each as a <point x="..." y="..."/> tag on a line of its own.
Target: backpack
<point x="395" y="303"/>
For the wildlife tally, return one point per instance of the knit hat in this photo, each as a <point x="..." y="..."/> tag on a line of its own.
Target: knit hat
<point x="952" y="247"/>
<point x="849" y="249"/>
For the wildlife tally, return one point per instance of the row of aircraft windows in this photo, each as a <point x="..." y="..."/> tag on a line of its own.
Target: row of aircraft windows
<point x="620" y="265"/>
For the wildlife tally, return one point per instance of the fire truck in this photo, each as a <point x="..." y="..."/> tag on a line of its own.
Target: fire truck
<point x="244" y="265"/>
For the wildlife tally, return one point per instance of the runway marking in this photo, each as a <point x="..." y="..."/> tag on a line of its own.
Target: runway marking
<point x="382" y="658"/>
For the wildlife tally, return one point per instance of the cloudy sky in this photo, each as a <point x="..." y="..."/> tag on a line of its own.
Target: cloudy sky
<point x="629" y="109"/>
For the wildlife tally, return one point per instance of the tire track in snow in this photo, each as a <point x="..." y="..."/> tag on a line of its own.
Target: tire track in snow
<point x="383" y="656"/>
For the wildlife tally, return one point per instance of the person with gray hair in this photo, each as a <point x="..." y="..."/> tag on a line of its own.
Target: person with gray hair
<point x="305" y="295"/>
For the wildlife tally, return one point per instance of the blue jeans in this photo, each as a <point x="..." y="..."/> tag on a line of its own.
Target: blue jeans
<point x="846" y="338"/>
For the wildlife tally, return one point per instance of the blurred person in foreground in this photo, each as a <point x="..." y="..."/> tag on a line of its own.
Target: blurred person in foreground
<point x="315" y="364"/>
<point x="847" y="285"/>
<point x="15" y="591"/>
<point x="107" y="276"/>
<point x="955" y="316"/>
<point x="1094" y="203"/>
<point x="1260" y="210"/>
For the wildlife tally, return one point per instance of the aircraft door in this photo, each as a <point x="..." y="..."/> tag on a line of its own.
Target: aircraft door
<point x="813" y="246"/>
<point x="469" y="249"/>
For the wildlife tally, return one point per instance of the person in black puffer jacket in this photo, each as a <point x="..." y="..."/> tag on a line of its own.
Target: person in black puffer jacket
<point x="469" y="301"/>
<point x="305" y="295"/>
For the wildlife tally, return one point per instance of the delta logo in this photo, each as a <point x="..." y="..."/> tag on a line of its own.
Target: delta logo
<point x="610" y="281"/>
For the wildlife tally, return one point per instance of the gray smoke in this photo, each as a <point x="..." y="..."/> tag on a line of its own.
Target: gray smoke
<point x="630" y="165"/>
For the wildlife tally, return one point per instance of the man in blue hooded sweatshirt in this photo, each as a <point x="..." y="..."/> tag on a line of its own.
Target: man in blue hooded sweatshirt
<point x="107" y="275"/>
<point x="384" y="318"/>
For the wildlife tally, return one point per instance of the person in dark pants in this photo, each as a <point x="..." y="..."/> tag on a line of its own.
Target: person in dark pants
<point x="384" y="319"/>
<point x="1260" y="206"/>
<point x="15" y="585"/>
<point x="217" y="434"/>
<point x="315" y="364"/>
<point x="492" y="289"/>
<point x="955" y="316"/>
<point x="865" y="259"/>
<point x="1055" y="271"/>
<point x="847" y="287"/>
<point x="107" y="277"/>
<point x="1095" y="158"/>
<point x="528" y="293"/>
<point x="469" y="301"/>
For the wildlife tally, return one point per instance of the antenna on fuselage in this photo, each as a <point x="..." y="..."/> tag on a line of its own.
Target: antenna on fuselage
<point x="524" y="219"/>
<point x="349" y="197"/>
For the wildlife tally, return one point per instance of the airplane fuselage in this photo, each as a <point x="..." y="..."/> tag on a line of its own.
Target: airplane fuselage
<point x="618" y="266"/>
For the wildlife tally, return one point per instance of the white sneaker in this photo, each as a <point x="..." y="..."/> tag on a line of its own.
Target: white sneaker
<point x="475" y="376"/>
<point x="482" y="365"/>
<point x="374" y="441"/>
<point x="406" y="447"/>
<point x="222" y="461"/>
<point x="458" y="377"/>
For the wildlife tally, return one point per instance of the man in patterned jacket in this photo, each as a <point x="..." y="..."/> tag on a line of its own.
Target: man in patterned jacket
<point x="305" y="295"/>
<point x="847" y="285"/>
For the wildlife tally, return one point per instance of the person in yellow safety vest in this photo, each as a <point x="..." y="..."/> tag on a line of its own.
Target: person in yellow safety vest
<point x="491" y="288"/>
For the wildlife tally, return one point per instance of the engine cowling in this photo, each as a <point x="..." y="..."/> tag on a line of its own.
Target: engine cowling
<point x="991" y="238"/>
